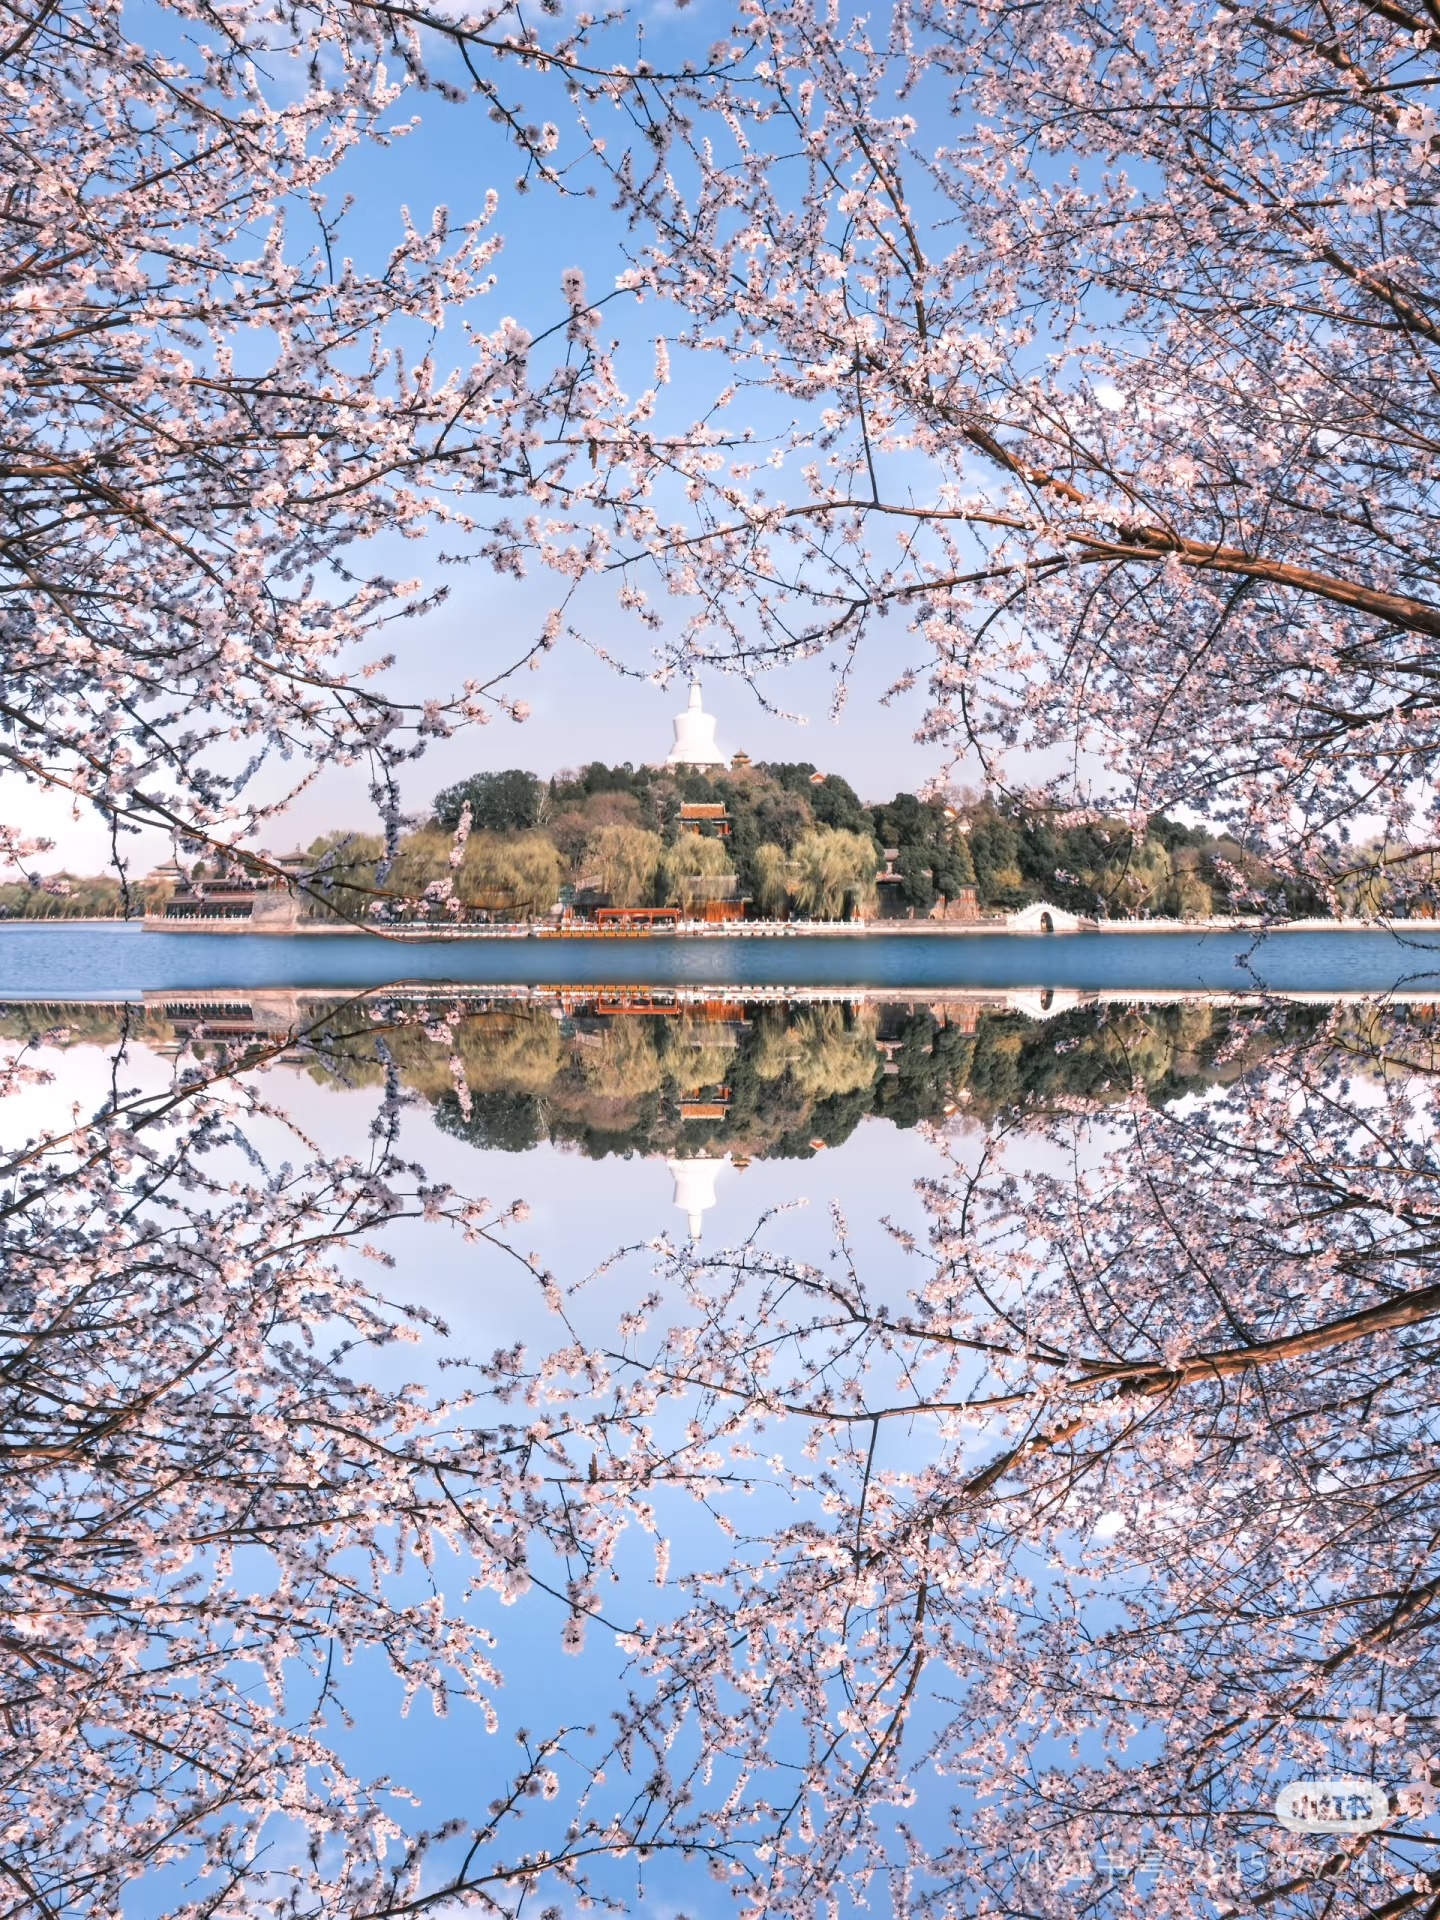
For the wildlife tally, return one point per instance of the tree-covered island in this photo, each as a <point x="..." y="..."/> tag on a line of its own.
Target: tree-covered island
<point x="776" y="841"/>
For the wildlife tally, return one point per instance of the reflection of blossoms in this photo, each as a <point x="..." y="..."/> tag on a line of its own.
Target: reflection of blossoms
<point x="461" y="1085"/>
<point x="209" y="1512"/>
<point x="1113" y="1518"/>
<point x="1085" y="1524"/>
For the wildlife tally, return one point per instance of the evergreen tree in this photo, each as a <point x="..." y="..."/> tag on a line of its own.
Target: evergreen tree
<point x="507" y="802"/>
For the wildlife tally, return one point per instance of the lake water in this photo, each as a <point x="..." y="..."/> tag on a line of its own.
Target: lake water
<point x="57" y="961"/>
<point x="598" y="1420"/>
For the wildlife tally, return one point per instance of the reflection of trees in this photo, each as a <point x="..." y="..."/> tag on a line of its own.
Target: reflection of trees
<point x="795" y="1075"/>
<point x="823" y="1051"/>
<point x="624" y="1059"/>
<point x="806" y="1073"/>
<point x="209" y="1511"/>
<point x="1120" y="1515"/>
<point x="1113" y="1514"/>
<point x="520" y="1054"/>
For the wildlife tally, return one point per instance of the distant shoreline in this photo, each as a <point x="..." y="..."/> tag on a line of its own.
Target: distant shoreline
<point x="1037" y="1001"/>
<point x="742" y="930"/>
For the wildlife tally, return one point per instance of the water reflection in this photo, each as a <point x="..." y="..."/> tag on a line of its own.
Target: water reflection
<point x="663" y="1071"/>
<point x="1008" y="1557"/>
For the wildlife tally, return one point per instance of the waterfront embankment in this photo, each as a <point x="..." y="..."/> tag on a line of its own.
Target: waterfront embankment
<point x="53" y="961"/>
<point x="1015" y="925"/>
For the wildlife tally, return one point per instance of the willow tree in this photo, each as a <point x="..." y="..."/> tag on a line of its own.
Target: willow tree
<point x="626" y="862"/>
<point x="1109" y="1518"/>
<point x="833" y="872"/>
<point x="694" y="857"/>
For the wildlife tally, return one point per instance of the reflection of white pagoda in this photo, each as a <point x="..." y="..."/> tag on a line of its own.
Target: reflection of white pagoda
<point x="695" y="1189"/>
<point x="695" y="736"/>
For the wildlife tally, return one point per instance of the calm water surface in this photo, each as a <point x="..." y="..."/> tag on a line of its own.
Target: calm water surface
<point x="115" y="962"/>
<point x="722" y="1384"/>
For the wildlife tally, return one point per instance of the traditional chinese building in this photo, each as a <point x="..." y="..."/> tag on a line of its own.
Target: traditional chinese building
<point x="265" y="901"/>
<point x="706" y="817"/>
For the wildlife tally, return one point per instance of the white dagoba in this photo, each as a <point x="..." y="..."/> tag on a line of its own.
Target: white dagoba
<point x="695" y="736"/>
<point x="695" y="1189"/>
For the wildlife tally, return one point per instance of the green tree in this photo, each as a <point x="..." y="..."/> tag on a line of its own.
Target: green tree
<point x="835" y="804"/>
<point x="906" y="821"/>
<point x="71" y="896"/>
<point x="825" y="1050"/>
<point x="832" y="802"/>
<point x="343" y="875"/>
<point x="954" y="867"/>
<point x="692" y="856"/>
<point x="770" y="882"/>
<point x="581" y="784"/>
<point x="572" y="825"/>
<point x="420" y="859"/>
<point x="626" y="864"/>
<point x="508" y="802"/>
<point x="762" y="812"/>
<point x="526" y="867"/>
<point x="626" y="1060"/>
<point x="833" y="871"/>
<point x="917" y="886"/>
<point x="1191" y="899"/>
<point x="1139" y="878"/>
<point x="995" y="845"/>
<point x="783" y="817"/>
<point x="794" y="775"/>
<point x="500" y="1122"/>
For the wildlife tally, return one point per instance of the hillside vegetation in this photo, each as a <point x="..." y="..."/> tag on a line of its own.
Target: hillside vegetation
<point x="795" y="843"/>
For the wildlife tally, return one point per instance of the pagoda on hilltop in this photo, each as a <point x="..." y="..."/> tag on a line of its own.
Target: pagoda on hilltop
<point x="695" y="736"/>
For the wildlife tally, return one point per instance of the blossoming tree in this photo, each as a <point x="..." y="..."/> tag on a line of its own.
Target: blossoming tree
<point x="216" y="1502"/>
<point x="211" y="411"/>
<point x="1022" y="1580"/>
<point x="1097" y="344"/>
